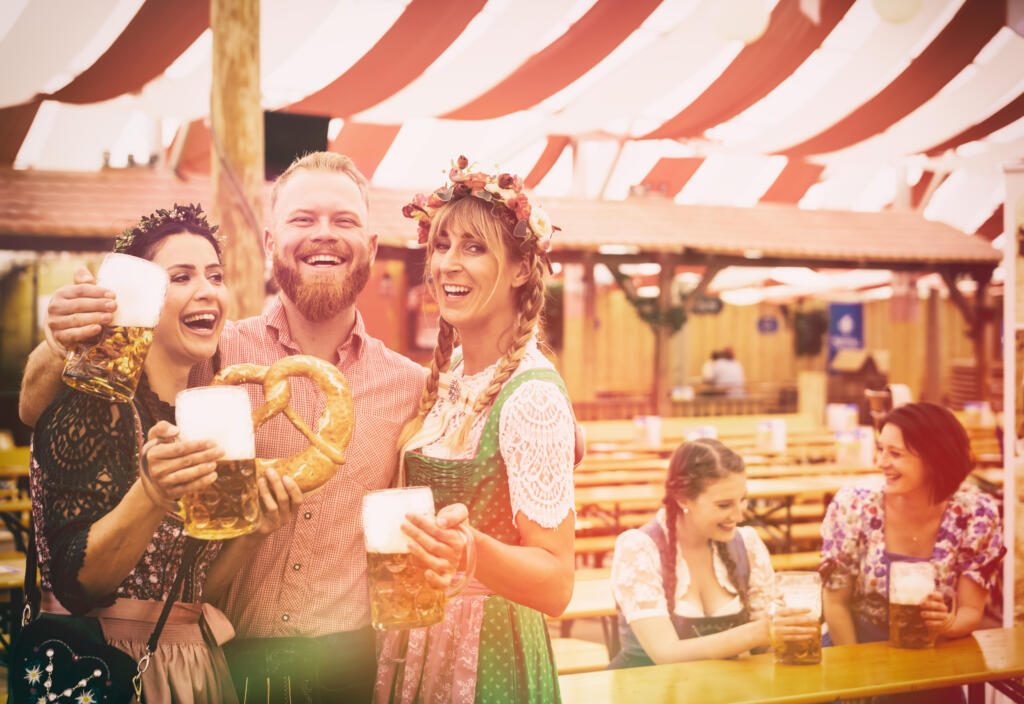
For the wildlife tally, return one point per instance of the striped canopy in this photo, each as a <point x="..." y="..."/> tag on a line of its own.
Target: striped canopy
<point x="829" y="104"/>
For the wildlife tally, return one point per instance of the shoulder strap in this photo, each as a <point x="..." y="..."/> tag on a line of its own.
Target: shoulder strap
<point x="653" y="530"/>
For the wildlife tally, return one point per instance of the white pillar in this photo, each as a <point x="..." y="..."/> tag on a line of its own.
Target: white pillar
<point x="1013" y="320"/>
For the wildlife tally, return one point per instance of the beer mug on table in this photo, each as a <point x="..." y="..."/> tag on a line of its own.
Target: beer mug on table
<point x="400" y="596"/>
<point x="798" y="590"/>
<point x="111" y="367"/>
<point x="910" y="583"/>
<point x="231" y="505"/>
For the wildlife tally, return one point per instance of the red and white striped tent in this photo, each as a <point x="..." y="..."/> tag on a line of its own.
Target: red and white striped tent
<point x="829" y="104"/>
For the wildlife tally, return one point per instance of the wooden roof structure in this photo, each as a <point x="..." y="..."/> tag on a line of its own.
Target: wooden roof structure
<point x="84" y="211"/>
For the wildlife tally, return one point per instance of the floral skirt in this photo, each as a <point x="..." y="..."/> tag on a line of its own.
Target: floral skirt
<point x="487" y="649"/>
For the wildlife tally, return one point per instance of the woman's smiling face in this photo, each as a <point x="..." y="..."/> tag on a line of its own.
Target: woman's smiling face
<point x="193" y="314"/>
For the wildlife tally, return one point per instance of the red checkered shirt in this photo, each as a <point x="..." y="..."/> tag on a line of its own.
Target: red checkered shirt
<point x="309" y="577"/>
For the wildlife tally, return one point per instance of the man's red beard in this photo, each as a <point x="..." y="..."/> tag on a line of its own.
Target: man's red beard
<point x="320" y="300"/>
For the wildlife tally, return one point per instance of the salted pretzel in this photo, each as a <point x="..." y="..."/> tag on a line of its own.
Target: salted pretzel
<point x="311" y="467"/>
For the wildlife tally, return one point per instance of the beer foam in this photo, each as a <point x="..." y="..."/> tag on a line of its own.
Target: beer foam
<point x="910" y="589"/>
<point x="383" y="514"/>
<point x="140" y="287"/>
<point x="218" y="413"/>
<point x="803" y="597"/>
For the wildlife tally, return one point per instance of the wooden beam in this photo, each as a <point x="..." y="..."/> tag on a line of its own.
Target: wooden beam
<point x="236" y="164"/>
<point x="663" y="338"/>
<point x="958" y="300"/>
<point x="710" y="272"/>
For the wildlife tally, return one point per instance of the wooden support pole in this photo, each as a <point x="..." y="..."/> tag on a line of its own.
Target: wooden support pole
<point x="589" y="329"/>
<point x="236" y="163"/>
<point x="931" y="379"/>
<point x="979" y="335"/>
<point x="663" y="339"/>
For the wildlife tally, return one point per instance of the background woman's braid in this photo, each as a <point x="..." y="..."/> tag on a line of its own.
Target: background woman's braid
<point x="671" y="514"/>
<point x="730" y="565"/>
<point x="693" y="467"/>
<point x="531" y="305"/>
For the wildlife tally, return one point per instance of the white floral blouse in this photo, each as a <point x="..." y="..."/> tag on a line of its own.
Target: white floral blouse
<point x="637" y="578"/>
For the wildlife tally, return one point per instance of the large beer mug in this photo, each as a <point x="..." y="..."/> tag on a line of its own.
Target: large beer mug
<point x="910" y="583"/>
<point x="400" y="596"/>
<point x="231" y="505"/>
<point x="110" y="367"/>
<point x="798" y="590"/>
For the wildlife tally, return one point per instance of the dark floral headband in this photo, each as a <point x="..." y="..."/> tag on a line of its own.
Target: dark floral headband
<point x="189" y="216"/>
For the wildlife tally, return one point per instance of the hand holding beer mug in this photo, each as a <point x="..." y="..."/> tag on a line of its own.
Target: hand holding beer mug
<point x="230" y="506"/>
<point x="400" y="595"/>
<point x="111" y="367"/>
<point x="796" y="618"/>
<point x="910" y="585"/>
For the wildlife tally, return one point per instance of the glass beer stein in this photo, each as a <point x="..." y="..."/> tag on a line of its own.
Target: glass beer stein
<point x="231" y="505"/>
<point x="400" y="596"/>
<point x="110" y="367"/>
<point x="910" y="583"/>
<point x="798" y="590"/>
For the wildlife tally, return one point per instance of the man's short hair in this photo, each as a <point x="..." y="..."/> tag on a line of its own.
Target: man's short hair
<point x="327" y="162"/>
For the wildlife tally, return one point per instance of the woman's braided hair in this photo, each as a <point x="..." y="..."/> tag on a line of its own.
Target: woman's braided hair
<point x="494" y="224"/>
<point x="694" y="466"/>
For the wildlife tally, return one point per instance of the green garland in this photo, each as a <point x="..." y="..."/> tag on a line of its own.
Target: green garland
<point x="674" y="318"/>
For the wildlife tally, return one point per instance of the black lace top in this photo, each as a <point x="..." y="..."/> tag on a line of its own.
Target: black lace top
<point x="84" y="460"/>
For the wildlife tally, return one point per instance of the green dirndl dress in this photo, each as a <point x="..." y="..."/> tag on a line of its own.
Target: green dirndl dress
<point x="514" y="662"/>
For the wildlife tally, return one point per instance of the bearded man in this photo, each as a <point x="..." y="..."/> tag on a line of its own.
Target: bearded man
<point x="300" y="605"/>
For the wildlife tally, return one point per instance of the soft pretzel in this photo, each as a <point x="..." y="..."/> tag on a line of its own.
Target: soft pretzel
<point x="311" y="467"/>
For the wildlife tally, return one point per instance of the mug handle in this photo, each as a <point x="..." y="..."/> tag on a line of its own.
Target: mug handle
<point x="455" y="589"/>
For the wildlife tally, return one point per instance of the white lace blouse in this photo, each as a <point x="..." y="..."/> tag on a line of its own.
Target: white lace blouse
<point x="639" y="592"/>
<point x="536" y="435"/>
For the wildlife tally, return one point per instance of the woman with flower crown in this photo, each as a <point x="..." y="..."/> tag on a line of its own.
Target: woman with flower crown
<point x="494" y="431"/>
<point x="108" y="549"/>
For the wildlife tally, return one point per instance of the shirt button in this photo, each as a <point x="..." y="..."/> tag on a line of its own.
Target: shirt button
<point x="284" y="617"/>
<point x="307" y="515"/>
<point x="296" y="567"/>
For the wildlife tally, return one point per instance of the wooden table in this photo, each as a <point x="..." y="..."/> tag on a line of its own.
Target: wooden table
<point x="850" y="671"/>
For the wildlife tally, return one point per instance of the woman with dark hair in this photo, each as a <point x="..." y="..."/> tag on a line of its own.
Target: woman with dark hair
<point x="692" y="584"/>
<point x="922" y="512"/>
<point x="108" y="549"/>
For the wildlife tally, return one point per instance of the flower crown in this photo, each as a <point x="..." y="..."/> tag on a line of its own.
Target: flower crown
<point x="532" y="222"/>
<point x="191" y="214"/>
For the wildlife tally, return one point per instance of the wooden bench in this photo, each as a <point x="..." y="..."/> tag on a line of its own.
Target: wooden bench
<point x="574" y="655"/>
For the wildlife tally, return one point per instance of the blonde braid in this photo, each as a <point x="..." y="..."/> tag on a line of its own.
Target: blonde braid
<point x="532" y="304"/>
<point x="439" y="363"/>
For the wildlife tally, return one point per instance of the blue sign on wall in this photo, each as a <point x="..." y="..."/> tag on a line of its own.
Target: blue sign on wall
<point x="845" y="327"/>
<point x="767" y="325"/>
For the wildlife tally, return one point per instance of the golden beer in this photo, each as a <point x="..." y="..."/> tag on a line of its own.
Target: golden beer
<point x="399" y="594"/>
<point x="229" y="507"/>
<point x="910" y="583"/>
<point x="110" y="368"/>
<point x="798" y="590"/>
<point x="907" y="629"/>
<point x="804" y="652"/>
